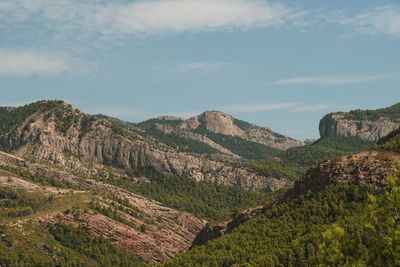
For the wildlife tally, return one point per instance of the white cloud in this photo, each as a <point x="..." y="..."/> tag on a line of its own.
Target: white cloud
<point x="379" y="21"/>
<point x="203" y="66"/>
<point x="147" y="17"/>
<point x="330" y="80"/>
<point x="26" y="63"/>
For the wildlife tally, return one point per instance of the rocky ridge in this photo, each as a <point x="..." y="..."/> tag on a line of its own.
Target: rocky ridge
<point x="221" y="123"/>
<point x="85" y="145"/>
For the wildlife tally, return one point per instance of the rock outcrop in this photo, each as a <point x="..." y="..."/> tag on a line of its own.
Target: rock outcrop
<point x="220" y="123"/>
<point x="369" y="125"/>
<point x="369" y="167"/>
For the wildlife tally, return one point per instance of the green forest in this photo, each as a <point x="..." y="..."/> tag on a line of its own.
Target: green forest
<point x="294" y="162"/>
<point x="204" y="199"/>
<point x="290" y="234"/>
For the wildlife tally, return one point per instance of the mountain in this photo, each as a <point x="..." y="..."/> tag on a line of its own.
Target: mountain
<point x="213" y="133"/>
<point x="55" y="132"/>
<point x="369" y="125"/>
<point x="83" y="190"/>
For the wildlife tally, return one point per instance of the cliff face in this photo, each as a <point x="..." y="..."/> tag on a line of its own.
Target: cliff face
<point x="83" y="144"/>
<point x="369" y="125"/>
<point x="221" y="123"/>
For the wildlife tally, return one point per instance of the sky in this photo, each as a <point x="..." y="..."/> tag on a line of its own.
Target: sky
<point x="282" y="64"/>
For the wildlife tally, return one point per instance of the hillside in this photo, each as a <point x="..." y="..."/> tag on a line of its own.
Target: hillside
<point x="212" y="133"/>
<point x="334" y="216"/>
<point x="294" y="162"/>
<point x="369" y="125"/>
<point x="37" y="197"/>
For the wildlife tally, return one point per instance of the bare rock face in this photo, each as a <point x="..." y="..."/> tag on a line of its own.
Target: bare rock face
<point x="366" y="129"/>
<point x="220" y="123"/>
<point x="83" y="144"/>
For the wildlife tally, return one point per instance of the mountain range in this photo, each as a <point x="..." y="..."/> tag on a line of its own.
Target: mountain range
<point x="140" y="193"/>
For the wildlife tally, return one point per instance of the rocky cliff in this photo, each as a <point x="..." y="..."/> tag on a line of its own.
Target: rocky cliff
<point x="57" y="133"/>
<point x="369" y="125"/>
<point x="220" y="123"/>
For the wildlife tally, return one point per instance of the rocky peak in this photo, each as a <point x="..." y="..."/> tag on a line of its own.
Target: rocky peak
<point x="215" y="122"/>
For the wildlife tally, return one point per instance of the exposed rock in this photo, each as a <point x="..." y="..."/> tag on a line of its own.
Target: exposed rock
<point x="367" y="129"/>
<point x="220" y="123"/>
<point x="369" y="167"/>
<point x="87" y="144"/>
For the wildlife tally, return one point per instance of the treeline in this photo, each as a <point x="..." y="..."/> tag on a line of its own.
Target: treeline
<point x="392" y="112"/>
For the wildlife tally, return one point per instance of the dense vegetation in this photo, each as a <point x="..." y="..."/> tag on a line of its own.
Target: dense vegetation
<point x="342" y="247"/>
<point x="288" y="234"/>
<point x="59" y="245"/>
<point x="204" y="199"/>
<point x="98" y="249"/>
<point x="392" y="112"/>
<point x="294" y="162"/>
<point x="17" y="203"/>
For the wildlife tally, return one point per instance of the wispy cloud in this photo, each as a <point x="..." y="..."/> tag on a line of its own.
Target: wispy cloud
<point x="316" y="107"/>
<point x="26" y="63"/>
<point x="379" y="21"/>
<point x="330" y="80"/>
<point x="204" y="66"/>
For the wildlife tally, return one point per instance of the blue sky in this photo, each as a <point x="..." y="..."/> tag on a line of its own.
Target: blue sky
<point x="282" y="64"/>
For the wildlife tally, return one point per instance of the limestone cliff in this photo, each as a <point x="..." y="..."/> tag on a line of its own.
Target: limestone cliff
<point x="220" y="123"/>
<point x="369" y="125"/>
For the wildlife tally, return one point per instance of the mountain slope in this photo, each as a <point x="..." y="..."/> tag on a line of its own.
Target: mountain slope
<point x="55" y="132"/>
<point x="369" y="125"/>
<point x="212" y="133"/>
<point x="139" y="225"/>
<point x="289" y="232"/>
